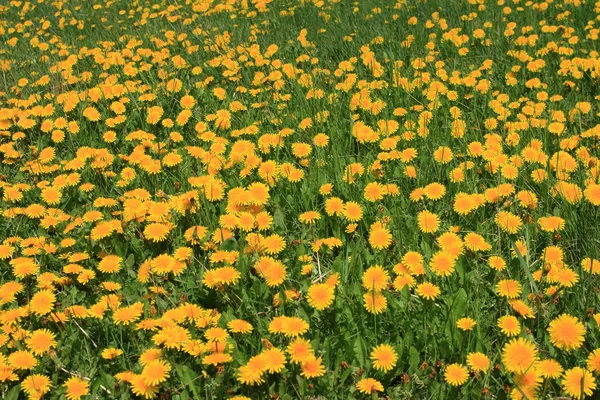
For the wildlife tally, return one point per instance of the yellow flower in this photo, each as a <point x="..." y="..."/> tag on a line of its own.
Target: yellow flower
<point x="375" y="278"/>
<point x="578" y="382"/>
<point x="443" y="155"/>
<point x="466" y="324"/>
<point x="379" y="236"/>
<point x="509" y="325"/>
<point x="549" y="368"/>
<point x="36" y="385"/>
<point x="42" y="302"/>
<point x="375" y="302"/>
<point x="442" y="263"/>
<point x="274" y="359"/>
<point x="508" y="222"/>
<point x="312" y="367"/>
<point x="239" y="326"/>
<point x="111" y="353"/>
<point x="76" y="388"/>
<point x="508" y="288"/>
<point x="566" y="332"/>
<point x="353" y="211"/>
<point x="40" y="341"/>
<point x="155" y="372"/>
<point x="519" y="355"/>
<point x="110" y="264"/>
<point x="374" y="191"/>
<point x="300" y="350"/>
<point x="369" y="386"/>
<point x="309" y="217"/>
<point x="478" y="362"/>
<point x="384" y="357"/>
<point x="139" y="387"/>
<point x="428" y="290"/>
<point x="320" y="296"/>
<point x="456" y="374"/>
<point x="428" y="222"/>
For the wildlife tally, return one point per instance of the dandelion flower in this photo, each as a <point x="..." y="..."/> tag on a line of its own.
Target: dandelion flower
<point x="379" y="236"/>
<point x="216" y="359"/>
<point x="428" y="222"/>
<point x="129" y="314"/>
<point x="320" y="296"/>
<point x="110" y="264"/>
<point x="111" y="353"/>
<point x="549" y="368"/>
<point x="466" y="324"/>
<point x="139" y="387"/>
<point x="76" y="388"/>
<point x="478" y="362"/>
<point x="519" y="355"/>
<point x="375" y="278"/>
<point x="369" y="386"/>
<point x="578" y="382"/>
<point x="312" y="367"/>
<point x="40" y="341"/>
<point x="309" y="217"/>
<point x="591" y="266"/>
<point x="274" y="359"/>
<point x="42" y="302"/>
<point x="36" y="385"/>
<point x="375" y="302"/>
<point x="374" y="191"/>
<point x="353" y="211"/>
<point x="508" y="288"/>
<point x="566" y="332"/>
<point x="509" y="325"/>
<point x="289" y="326"/>
<point x="156" y="372"/>
<point x="300" y="350"/>
<point x="384" y="357"/>
<point x="22" y="359"/>
<point x="527" y="384"/>
<point x="220" y="277"/>
<point x="443" y="155"/>
<point x="239" y="326"/>
<point x="434" y="191"/>
<point x="150" y="355"/>
<point x="294" y="326"/>
<point x="250" y="375"/>
<point x="508" y="222"/>
<point x="593" y="361"/>
<point x="592" y="194"/>
<point x="456" y="374"/>
<point x="442" y="263"/>
<point x="428" y="290"/>
<point x="497" y="263"/>
<point x="414" y="262"/>
<point x="216" y="335"/>
<point x="157" y="232"/>
<point x="334" y="206"/>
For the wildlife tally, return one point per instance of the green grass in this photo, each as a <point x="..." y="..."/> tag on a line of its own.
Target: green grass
<point x="91" y="45"/>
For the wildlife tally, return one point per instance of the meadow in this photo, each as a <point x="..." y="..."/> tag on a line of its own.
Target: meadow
<point x="326" y="199"/>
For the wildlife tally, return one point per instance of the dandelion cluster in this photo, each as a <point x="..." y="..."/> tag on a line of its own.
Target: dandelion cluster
<point x="299" y="199"/>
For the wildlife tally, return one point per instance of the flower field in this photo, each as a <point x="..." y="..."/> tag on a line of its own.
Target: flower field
<point x="234" y="199"/>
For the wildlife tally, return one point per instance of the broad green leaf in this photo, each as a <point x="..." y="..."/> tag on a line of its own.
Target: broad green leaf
<point x="413" y="359"/>
<point x="360" y="349"/>
<point x="13" y="394"/>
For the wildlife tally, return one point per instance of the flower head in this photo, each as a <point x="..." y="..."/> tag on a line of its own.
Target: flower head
<point x="369" y="386"/>
<point x="566" y="332"/>
<point x="384" y="357"/>
<point x="519" y="355"/>
<point x="456" y="374"/>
